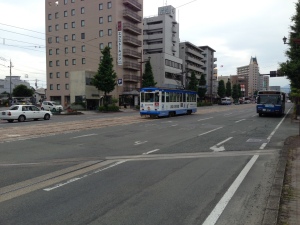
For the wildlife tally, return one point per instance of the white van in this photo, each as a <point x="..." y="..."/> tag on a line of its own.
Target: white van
<point x="226" y="101"/>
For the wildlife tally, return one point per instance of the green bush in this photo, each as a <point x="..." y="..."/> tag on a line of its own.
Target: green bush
<point x="110" y="108"/>
<point x="199" y="104"/>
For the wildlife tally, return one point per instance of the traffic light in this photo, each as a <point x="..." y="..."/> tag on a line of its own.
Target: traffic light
<point x="273" y="73"/>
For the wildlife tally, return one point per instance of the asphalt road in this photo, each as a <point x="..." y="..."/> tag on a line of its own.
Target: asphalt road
<point x="213" y="167"/>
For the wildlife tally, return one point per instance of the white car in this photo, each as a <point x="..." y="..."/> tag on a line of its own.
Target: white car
<point x="24" y="112"/>
<point x="51" y="105"/>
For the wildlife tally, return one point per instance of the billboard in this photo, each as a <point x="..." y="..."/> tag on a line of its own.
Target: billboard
<point x="120" y="44"/>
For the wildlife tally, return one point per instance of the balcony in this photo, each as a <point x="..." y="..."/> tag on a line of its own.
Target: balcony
<point x="174" y="29"/>
<point x="131" y="53"/>
<point x="131" y="65"/>
<point x="131" y="78"/>
<point x="173" y="49"/>
<point x="215" y="65"/>
<point x="194" y="52"/>
<point x="191" y="67"/>
<point x="132" y="41"/>
<point x="215" y="59"/>
<point x="174" y="39"/>
<point x="132" y="28"/>
<point x="131" y="15"/>
<point x="134" y="5"/>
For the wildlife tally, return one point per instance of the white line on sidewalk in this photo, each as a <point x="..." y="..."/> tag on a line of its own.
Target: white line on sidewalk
<point x="87" y="135"/>
<point x="210" y="131"/>
<point x="219" y="208"/>
<point x="155" y="150"/>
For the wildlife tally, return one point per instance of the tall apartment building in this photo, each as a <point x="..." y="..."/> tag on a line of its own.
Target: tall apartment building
<point x="252" y="76"/>
<point x="76" y="32"/>
<point x="192" y="60"/>
<point x="161" y="47"/>
<point x="209" y="66"/>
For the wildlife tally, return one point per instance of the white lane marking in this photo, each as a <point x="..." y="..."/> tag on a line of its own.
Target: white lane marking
<point x="175" y="125"/>
<point x="84" y="176"/>
<point x="273" y="132"/>
<point x="239" y="120"/>
<point x="140" y="142"/>
<point x="263" y="146"/>
<point x="215" y="148"/>
<point x="219" y="208"/>
<point x="227" y="114"/>
<point x="254" y="115"/>
<point x="155" y="150"/>
<point x="87" y="135"/>
<point x="210" y="131"/>
<point x="205" y="119"/>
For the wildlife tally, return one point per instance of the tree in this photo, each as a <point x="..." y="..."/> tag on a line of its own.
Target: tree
<point x="22" y="91"/>
<point x="105" y="78"/>
<point x="148" y="78"/>
<point x="239" y="90"/>
<point x="202" y="89"/>
<point x="291" y="68"/>
<point x="193" y="84"/>
<point x="228" y="88"/>
<point x="235" y="92"/>
<point x="221" y="89"/>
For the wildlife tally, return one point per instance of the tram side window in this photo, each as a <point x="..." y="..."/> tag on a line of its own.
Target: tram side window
<point x="167" y="97"/>
<point x="156" y="97"/>
<point x="163" y="96"/>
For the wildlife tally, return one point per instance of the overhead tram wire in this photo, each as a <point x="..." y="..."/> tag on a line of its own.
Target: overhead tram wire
<point x="180" y="5"/>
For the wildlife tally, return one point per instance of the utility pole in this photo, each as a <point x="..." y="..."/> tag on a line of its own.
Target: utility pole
<point x="10" y="66"/>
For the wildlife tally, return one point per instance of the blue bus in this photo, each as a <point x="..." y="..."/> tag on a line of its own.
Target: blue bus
<point x="270" y="103"/>
<point x="158" y="102"/>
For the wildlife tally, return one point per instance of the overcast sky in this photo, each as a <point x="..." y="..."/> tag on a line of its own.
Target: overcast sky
<point x="235" y="29"/>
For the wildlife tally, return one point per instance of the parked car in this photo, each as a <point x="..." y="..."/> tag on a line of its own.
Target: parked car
<point x="226" y="101"/>
<point x="51" y="105"/>
<point x="24" y="112"/>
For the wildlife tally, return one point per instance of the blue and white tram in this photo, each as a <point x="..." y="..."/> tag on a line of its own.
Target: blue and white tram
<point x="158" y="102"/>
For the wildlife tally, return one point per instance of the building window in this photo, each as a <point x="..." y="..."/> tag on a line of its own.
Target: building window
<point x="49" y="16"/>
<point x="109" y="32"/>
<point x="109" y="5"/>
<point x="83" y="48"/>
<point x="56" y="15"/>
<point x="57" y="51"/>
<point x="57" y="62"/>
<point x="73" y="24"/>
<point x="50" y="40"/>
<point x="58" y="75"/>
<point x="50" y="75"/>
<point x="66" y="62"/>
<point x="56" y="27"/>
<point x="109" y="18"/>
<point x="49" y="28"/>
<point x="66" y="50"/>
<point x="74" y="61"/>
<point x="73" y="37"/>
<point x="58" y="86"/>
<point x="67" y="86"/>
<point x="100" y="6"/>
<point x="82" y="35"/>
<point x="57" y="39"/>
<point x="50" y="51"/>
<point x="100" y="20"/>
<point x="101" y="33"/>
<point x="82" y="10"/>
<point x="66" y="37"/>
<point x="65" y="2"/>
<point x="82" y="23"/>
<point x="50" y="63"/>
<point x="65" y="13"/>
<point x="73" y="12"/>
<point x="109" y="44"/>
<point x="83" y="60"/>
<point x="73" y="1"/>
<point x="51" y="87"/>
<point x="73" y="49"/>
<point x="101" y="46"/>
<point x="66" y="25"/>
<point x="66" y="74"/>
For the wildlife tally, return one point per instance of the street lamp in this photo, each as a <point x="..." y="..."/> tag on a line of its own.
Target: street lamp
<point x="284" y="40"/>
